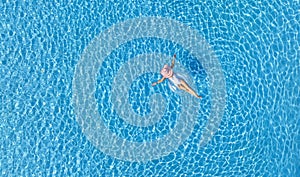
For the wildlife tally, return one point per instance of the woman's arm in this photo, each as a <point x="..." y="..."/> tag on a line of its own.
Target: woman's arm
<point x="173" y="61"/>
<point x="159" y="81"/>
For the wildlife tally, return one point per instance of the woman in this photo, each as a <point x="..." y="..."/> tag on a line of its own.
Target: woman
<point x="167" y="73"/>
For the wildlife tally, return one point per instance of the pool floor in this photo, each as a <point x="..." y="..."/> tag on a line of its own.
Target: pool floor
<point x="77" y="100"/>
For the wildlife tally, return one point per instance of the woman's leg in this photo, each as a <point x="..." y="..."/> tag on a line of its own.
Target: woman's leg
<point x="184" y="86"/>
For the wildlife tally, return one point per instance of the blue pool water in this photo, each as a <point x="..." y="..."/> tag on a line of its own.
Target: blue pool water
<point x="76" y="94"/>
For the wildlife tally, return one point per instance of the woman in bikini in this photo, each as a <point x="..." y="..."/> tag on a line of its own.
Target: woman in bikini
<point x="167" y="73"/>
